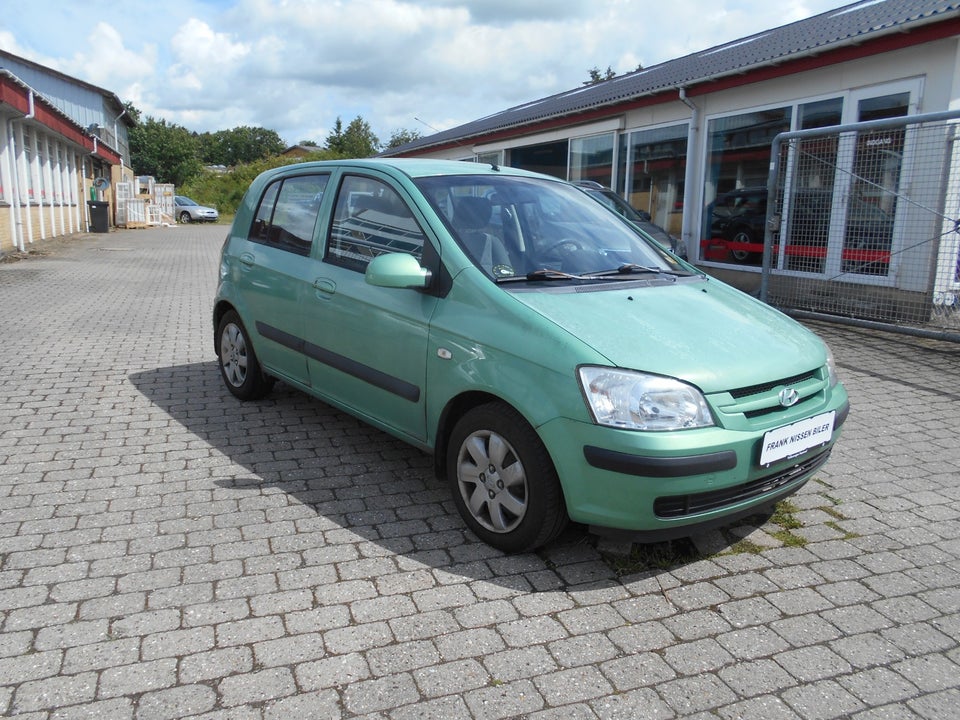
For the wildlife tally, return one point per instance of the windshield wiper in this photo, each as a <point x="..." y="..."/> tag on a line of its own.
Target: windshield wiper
<point x="541" y="274"/>
<point x="630" y="268"/>
<point x="626" y="269"/>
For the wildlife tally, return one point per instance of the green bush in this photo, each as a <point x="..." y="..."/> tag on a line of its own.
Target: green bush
<point x="224" y="191"/>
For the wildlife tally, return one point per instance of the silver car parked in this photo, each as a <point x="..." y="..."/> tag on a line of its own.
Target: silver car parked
<point x="187" y="211"/>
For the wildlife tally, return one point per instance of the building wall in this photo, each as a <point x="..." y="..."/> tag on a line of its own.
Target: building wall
<point x="683" y="202"/>
<point x="43" y="195"/>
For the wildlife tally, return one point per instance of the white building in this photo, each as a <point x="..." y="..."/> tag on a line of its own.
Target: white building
<point x="63" y="144"/>
<point x="681" y="138"/>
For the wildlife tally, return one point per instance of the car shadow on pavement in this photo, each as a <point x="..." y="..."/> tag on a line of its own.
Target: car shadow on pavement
<point x="359" y="484"/>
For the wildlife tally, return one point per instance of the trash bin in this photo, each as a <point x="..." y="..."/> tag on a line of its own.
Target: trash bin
<point x="99" y="216"/>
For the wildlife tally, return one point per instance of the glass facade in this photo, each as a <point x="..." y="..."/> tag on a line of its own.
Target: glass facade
<point x="810" y="197"/>
<point x="652" y="166"/>
<point x="874" y="185"/>
<point x="839" y="201"/>
<point x="591" y="158"/>
<point x="737" y="165"/>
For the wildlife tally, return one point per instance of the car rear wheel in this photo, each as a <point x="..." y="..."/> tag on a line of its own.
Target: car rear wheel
<point x="503" y="480"/>
<point x="185" y="217"/>
<point x="238" y="362"/>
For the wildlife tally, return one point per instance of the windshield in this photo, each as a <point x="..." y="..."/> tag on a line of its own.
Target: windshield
<point x="184" y="200"/>
<point x="516" y="227"/>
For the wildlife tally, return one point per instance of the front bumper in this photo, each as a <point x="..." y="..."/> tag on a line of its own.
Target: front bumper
<point x="663" y="485"/>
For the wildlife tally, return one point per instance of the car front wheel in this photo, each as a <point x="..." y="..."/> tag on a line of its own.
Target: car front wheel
<point x="503" y="480"/>
<point x="238" y="362"/>
<point x="743" y="237"/>
<point x="185" y="217"/>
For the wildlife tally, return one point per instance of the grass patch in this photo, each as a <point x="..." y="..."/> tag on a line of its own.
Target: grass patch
<point x="665" y="555"/>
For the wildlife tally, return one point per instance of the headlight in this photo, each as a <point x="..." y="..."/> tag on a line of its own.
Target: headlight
<point x="831" y="368"/>
<point x="637" y="401"/>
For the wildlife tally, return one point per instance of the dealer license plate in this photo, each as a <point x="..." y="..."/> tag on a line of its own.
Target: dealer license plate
<point x="794" y="439"/>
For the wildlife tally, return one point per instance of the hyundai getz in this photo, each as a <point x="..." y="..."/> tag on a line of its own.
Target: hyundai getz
<point x="558" y="365"/>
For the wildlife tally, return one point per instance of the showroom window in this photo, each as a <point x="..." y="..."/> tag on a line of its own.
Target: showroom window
<point x="591" y="158"/>
<point x="738" y="162"/>
<point x="652" y="166"/>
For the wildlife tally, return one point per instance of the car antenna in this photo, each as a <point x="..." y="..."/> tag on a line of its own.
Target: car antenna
<point x="493" y="166"/>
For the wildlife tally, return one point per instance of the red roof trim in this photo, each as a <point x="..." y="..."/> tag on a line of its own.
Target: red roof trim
<point x="18" y="97"/>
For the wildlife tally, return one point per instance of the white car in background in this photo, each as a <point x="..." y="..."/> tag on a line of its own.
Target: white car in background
<point x="186" y="211"/>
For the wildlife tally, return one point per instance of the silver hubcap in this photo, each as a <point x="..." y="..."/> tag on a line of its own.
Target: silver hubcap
<point x="233" y="355"/>
<point x="492" y="481"/>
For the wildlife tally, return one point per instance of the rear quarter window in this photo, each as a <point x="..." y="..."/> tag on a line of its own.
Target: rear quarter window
<point x="286" y="217"/>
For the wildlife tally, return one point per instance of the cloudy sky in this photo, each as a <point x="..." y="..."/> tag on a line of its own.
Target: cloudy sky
<point x="294" y="66"/>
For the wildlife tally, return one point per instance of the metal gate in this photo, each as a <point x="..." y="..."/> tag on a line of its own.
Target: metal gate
<point x="863" y="224"/>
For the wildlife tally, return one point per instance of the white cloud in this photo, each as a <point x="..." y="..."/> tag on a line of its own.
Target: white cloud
<point x="294" y="66"/>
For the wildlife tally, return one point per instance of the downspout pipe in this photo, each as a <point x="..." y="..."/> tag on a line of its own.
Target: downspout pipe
<point x="16" y="217"/>
<point x="689" y="174"/>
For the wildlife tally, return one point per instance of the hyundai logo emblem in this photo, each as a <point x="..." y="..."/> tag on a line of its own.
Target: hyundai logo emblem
<point x="788" y="396"/>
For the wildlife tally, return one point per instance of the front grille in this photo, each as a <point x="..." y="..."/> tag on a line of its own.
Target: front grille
<point x="775" y="408"/>
<point x="767" y="387"/>
<point x="677" y="506"/>
<point x="757" y="401"/>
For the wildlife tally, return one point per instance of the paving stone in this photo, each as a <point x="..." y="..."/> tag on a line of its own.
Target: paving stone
<point x="167" y="551"/>
<point x="176" y="702"/>
<point x="504" y="700"/>
<point x="822" y="700"/>
<point x="54" y="692"/>
<point x="137" y="678"/>
<point x="452" y="678"/>
<point x="256" y="687"/>
<point x="573" y="685"/>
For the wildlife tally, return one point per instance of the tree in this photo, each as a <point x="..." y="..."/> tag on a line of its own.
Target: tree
<point x="357" y="141"/>
<point x="597" y="77"/>
<point x="132" y="111"/>
<point x="240" y="145"/>
<point x="402" y="137"/>
<point x="170" y="153"/>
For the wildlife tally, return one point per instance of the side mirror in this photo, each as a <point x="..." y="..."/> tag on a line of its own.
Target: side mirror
<point x="397" y="270"/>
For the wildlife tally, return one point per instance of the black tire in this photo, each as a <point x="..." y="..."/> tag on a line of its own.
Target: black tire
<point x="185" y="217"/>
<point x="745" y="236"/>
<point x="503" y="480"/>
<point x="238" y="363"/>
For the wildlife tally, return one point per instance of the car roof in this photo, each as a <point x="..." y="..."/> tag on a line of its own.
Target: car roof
<point x="419" y="167"/>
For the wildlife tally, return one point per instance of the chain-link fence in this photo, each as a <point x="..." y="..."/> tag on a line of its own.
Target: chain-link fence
<point x="864" y="223"/>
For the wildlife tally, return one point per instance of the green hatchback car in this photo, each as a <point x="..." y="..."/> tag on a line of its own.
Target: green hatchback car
<point x="558" y="365"/>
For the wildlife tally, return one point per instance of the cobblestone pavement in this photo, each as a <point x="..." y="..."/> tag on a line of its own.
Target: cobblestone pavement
<point x="168" y="552"/>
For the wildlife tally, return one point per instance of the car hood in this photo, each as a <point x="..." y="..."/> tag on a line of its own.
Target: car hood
<point x="703" y="332"/>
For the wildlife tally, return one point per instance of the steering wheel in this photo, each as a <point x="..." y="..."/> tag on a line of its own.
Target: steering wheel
<point x="571" y="243"/>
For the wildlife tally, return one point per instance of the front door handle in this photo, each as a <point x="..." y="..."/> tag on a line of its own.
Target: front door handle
<point x="247" y="259"/>
<point x="324" y="287"/>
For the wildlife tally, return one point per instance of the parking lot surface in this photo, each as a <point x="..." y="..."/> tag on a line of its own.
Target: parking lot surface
<point x="168" y="552"/>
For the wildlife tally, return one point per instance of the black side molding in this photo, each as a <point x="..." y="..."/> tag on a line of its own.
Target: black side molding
<point x="375" y="377"/>
<point x="658" y="466"/>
